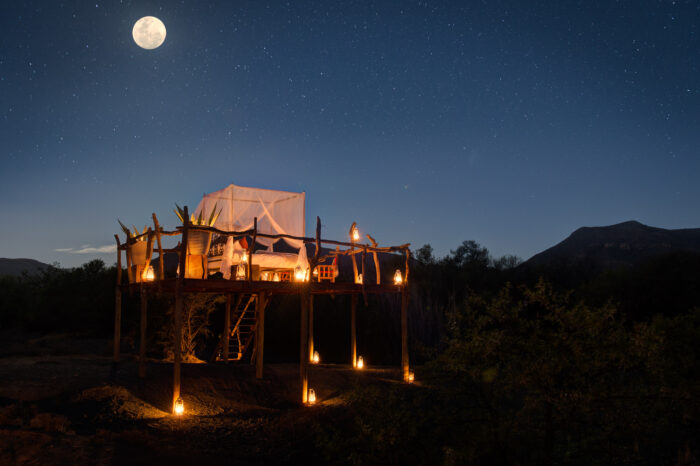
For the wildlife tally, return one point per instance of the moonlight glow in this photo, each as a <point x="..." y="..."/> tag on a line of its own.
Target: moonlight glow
<point x="149" y="32"/>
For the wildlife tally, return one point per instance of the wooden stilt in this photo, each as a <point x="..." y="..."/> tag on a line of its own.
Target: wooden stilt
<point x="117" y="306"/>
<point x="404" y="331"/>
<point x="260" y="334"/>
<point x="353" y="332"/>
<point x="142" y="340"/>
<point x="304" y="345"/>
<point x="227" y="327"/>
<point x="311" y="327"/>
<point x="179" y="298"/>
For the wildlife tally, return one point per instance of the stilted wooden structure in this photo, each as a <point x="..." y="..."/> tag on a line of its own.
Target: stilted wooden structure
<point x="239" y="323"/>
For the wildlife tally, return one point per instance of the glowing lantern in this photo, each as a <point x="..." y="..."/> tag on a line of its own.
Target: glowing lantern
<point x="179" y="408"/>
<point x="315" y="272"/>
<point x="398" y="278"/>
<point x="299" y="274"/>
<point x="359" y="279"/>
<point x="265" y="276"/>
<point x="311" y="400"/>
<point x="244" y="256"/>
<point x="240" y="272"/>
<point x="355" y="235"/>
<point x="316" y="358"/>
<point x="148" y="274"/>
<point x="276" y="277"/>
<point x="411" y="377"/>
<point x="360" y="363"/>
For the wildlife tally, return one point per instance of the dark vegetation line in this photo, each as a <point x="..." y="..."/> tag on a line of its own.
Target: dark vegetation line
<point x="518" y="365"/>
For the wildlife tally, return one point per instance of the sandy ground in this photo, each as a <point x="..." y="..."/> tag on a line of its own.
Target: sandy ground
<point x="59" y="406"/>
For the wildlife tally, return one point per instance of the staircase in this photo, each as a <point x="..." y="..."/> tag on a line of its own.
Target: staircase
<point x="243" y="323"/>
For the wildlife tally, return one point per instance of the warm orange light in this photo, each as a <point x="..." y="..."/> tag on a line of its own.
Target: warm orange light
<point x="299" y="274"/>
<point x="315" y="272"/>
<point x="276" y="277"/>
<point x="311" y="400"/>
<point x="360" y="363"/>
<point x="240" y="272"/>
<point x="355" y="234"/>
<point x="179" y="408"/>
<point x="244" y="256"/>
<point x="359" y="279"/>
<point x="411" y="377"/>
<point x="316" y="358"/>
<point x="148" y="274"/>
<point x="398" y="278"/>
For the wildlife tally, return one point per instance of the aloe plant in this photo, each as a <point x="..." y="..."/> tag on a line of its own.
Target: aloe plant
<point x="200" y="220"/>
<point x="135" y="233"/>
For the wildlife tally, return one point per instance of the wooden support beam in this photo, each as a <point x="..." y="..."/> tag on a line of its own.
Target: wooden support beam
<point x="353" y="329"/>
<point x="117" y="306"/>
<point x="311" y="327"/>
<point x="364" y="276"/>
<point x="179" y="298"/>
<point x="404" y="331"/>
<point x="142" y="340"/>
<point x="161" y="266"/>
<point x="304" y="344"/>
<point x="251" y="248"/>
<point x="227" y="327"/>
<point x="260" y="334"/>
<point x="376" y="260"/>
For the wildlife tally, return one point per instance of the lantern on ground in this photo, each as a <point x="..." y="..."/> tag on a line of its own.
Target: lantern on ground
<point x="411" y="377"/>
<point x="240" y="272"/>
<point x="148" y="274"/>
<point x="316" y="358"/>
<point x="398" y="278"/>
<point x="355" y="235"/>
<point x="311" y="400"/>
<point x="359" y="279"/>
<point x="315" y="271"/>
<point x="179" y="408"/>
<point x="360" y="363"/>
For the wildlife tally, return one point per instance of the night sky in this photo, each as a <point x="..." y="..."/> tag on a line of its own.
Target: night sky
<point x="508" y="122"/>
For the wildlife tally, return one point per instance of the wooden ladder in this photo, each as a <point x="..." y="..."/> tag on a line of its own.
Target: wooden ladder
<point x="242" y="333"/>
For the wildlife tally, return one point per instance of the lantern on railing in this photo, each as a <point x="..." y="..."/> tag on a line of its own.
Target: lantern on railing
<point x="315" y="271"/>
<point x="298" y="274"/>
<point x="359" y="279"/>
<point x="360" y="363"/>
<point x="398" y="278"/>
<point x="240" y="272"/>
<point x="355" y="236"/>
<point x="311" y="399"/>
<point x="265" y="276"/>
<point x="244" y="256"/>
<point x="316" y="358"/>
<point x="411" y="377"/>
<point x="148" y="274"/>
<point x="179" y="408"/>
<point x="276" y="277"/>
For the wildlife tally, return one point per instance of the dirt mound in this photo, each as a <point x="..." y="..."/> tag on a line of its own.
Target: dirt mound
<point x="120" y="402"/>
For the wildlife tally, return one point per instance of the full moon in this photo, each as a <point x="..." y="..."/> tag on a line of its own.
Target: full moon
<point x="149" y="32"/>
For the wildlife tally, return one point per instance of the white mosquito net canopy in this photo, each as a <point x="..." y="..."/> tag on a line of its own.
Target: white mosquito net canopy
<point x="278" y="212"/>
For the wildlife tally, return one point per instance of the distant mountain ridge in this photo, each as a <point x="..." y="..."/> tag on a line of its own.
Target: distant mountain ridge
<point x="626" y="243"/>
<point x="17" y="266"/>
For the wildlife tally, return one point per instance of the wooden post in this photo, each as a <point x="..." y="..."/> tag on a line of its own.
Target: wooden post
<point x="128" y="261"/>
<point x="260" y="334"/>
<point x="352" y="256"/>
<point x="251" y="248"/>
<point x="142" y="341"/>
<point x="353" y="332"/>
<point x="227" y="327"/>
<point x="364" y="276"/>
<point x="376" y="260"/>
<point x="311" y="327"/>
<point x="177" y="349"/>
<point x="161" y="266"/>
<point x="404" y="331"/>
<point x="117" y="305"/>
<point x="304" y="344"/>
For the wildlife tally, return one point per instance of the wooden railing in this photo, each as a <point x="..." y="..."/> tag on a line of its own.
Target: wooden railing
<point x="157" y="232"/>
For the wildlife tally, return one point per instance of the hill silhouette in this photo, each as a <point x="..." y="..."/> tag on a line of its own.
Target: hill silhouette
<point x="15" y="267"/>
